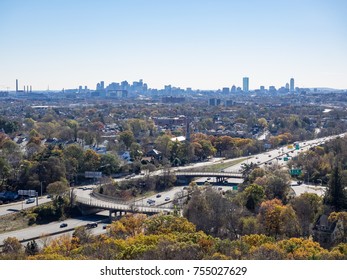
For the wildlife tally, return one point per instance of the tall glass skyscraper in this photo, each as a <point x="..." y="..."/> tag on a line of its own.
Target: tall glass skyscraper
<point x="291" y="89"/>
<point x="245" y="84"/>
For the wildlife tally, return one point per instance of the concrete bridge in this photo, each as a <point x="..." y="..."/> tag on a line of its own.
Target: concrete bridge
<point x="118" y="208"/>
<point x="220" y="176"/>
<point x="96" y="202"/>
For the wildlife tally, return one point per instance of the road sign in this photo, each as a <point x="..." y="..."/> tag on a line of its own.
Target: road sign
<point x="295" y="172"/>
<point x="92" y="174"/>
<point x="285" y="159"/>
<point x="27" y="192"/>
<point x="234" y="188"/>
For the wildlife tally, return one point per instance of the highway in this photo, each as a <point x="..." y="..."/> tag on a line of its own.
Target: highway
<point x="14" y="207"/>
<point x="54" y="227"/>
<point x="84" y="193"/>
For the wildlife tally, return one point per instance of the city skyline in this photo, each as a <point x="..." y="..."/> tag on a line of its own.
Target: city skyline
<point x="198" y="44"/>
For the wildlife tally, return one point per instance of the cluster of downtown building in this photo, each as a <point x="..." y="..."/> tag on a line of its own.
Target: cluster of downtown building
<point x="142" y="88"/>
<point x="124" y="90"/>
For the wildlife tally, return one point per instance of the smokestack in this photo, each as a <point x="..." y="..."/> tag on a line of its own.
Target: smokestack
<point x="16" y="85"/>
<point x="30" y="89"/>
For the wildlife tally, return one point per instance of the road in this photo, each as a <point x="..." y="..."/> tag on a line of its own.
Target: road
<point x="84" y="192"/>
<point x="54" y="227"/>
<point x="21" y="205"/>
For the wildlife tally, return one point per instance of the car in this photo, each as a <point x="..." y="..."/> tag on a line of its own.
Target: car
<point x="30" y="200"/>
<point x="63" y="225"/>
<point x="269" y="155"/>
<point x="158" y="195"/>
<point x="104" y="227"/>
<point x="91" y="225"/>
<point x="151" y="201"/>
<point x="167" y="198"/>
<point x="208" y="178"/>
<point x="127" y="177"/>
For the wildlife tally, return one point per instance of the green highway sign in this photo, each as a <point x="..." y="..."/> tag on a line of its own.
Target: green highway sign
<point x="295" y="172"/>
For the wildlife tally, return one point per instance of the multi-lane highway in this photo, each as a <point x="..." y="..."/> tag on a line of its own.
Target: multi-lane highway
<point x="46" y="230"/>
<point x="164" y="198"/>
<point x="20" y="205"/>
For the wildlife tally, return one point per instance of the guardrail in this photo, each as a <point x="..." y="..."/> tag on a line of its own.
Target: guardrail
<point x="109" y="198"/>
<point x="122" y="207"/>
<point x="207" y="174"/>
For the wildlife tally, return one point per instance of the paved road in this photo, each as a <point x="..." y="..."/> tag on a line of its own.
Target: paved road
<point x="304" y="188"/>
<point x="271" y="156"/>
<point x="53" y="227"/>
<point x="18" y="206"/>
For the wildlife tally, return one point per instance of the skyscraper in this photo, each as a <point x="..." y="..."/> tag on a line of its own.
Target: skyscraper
<point x="291" y="85"/>
<point x="245" y="84"/>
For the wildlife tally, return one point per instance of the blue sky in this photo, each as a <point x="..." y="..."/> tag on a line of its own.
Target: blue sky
<point x="198" y="43"/>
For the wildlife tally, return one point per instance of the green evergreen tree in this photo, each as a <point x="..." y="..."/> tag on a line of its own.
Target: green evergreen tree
<point x="31" y="248"/>
<point x="335" y="195"/>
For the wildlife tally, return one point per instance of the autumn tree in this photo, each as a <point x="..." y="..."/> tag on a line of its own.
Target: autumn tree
<point x="129" y="225"/>
<point x="109" y="164"/>
<point x="270" y="217"/>
<point x="278" y="220"/>
<point x="164" y="224"/>
<point x="83" y="235"/>
<point x="12" y="248"/>
<point x="289" y="222"/>
<point x="253" y="195"/>
<point x="307" y="207"/>
<point x="164" y="144"/>
<point x="278" y="184"/>
<point x="340" y="218"/>
<point x="127" y="137"/>
<point x="214" y="214"/>
<point x="91" y="161"/>
<point x="57" y="189"/>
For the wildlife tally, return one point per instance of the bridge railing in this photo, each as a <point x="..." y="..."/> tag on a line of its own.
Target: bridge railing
<point x="205" y="174"/>
<point x="126" y="207"/>
<point x="110" y="198"/>
<point x="102" y="204"/>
